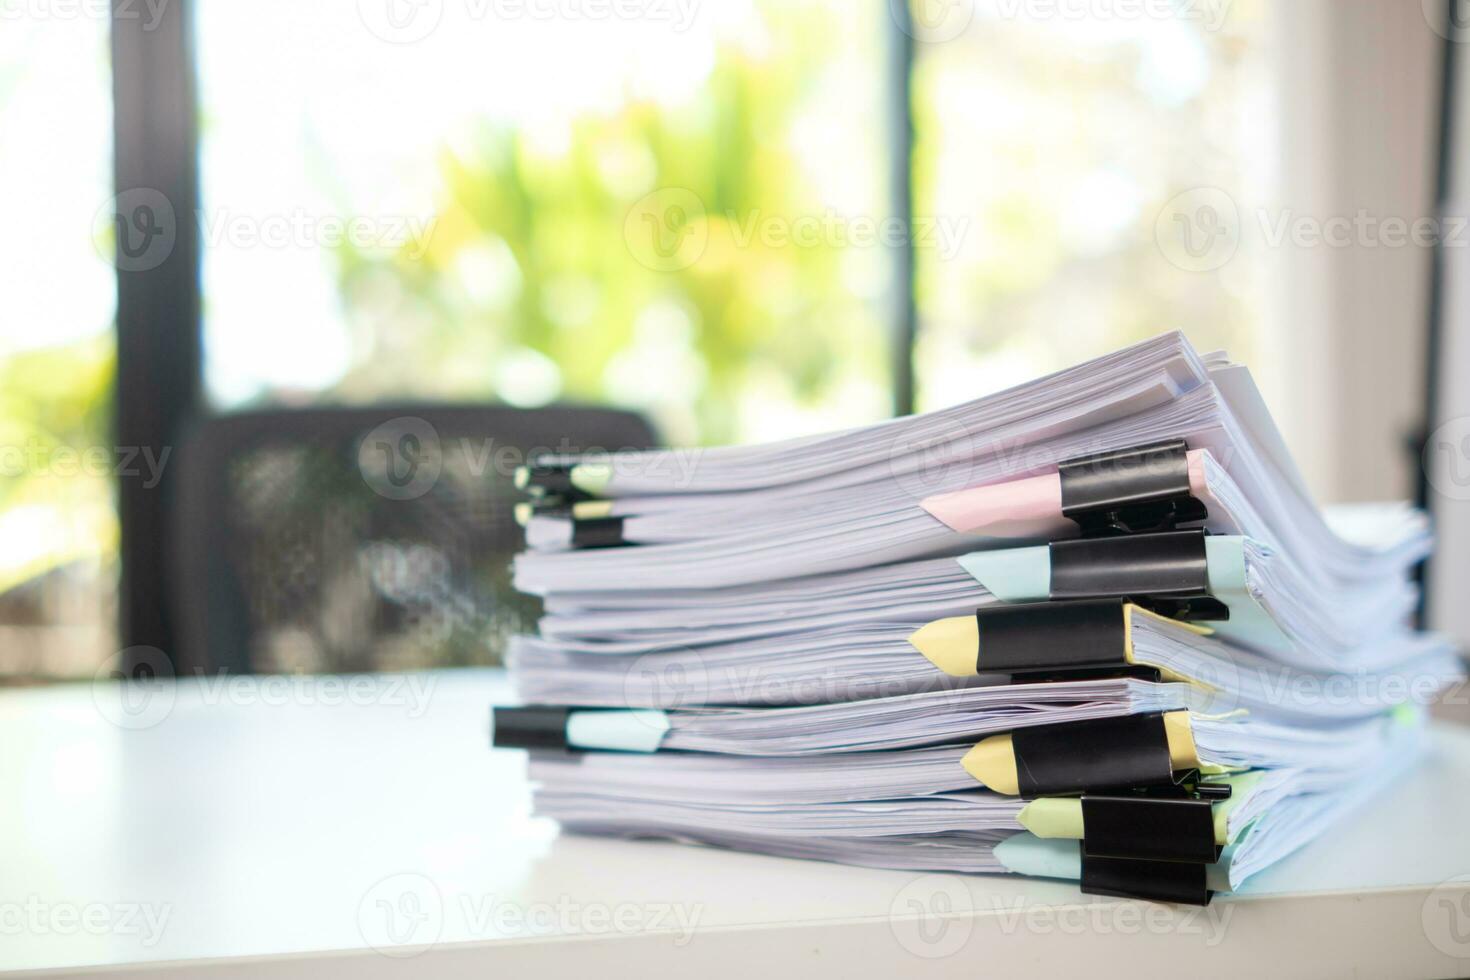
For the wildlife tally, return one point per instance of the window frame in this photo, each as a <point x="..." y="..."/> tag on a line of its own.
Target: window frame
<point x="157" y="392"/>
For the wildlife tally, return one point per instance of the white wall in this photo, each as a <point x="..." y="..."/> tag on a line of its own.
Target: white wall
<point x="1358" y="116"/>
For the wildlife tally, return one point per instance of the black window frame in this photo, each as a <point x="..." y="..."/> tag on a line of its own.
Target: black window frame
<point x="159" y="321"/>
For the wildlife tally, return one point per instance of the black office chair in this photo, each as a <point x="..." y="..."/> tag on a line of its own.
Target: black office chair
<point x="353" y="539"/>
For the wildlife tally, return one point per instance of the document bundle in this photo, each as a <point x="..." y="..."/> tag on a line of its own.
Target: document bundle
<point x="1092" y="627"/>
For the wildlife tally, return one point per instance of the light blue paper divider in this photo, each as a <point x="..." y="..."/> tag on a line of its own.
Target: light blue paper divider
<point x="1040" y="857"/>
<point x="639" y="730"/>
<point x="1024" y="575"/>
<point x="1011" y="574"/>
<point x="1249" y="623"/>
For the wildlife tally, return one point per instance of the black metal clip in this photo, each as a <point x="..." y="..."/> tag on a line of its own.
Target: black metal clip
<point x="597" y="532"/>
<point x="1171" y="823"/>
<point x="1153" y="843"/>
<point x="545" y="479"/>
<point x="1094" y="755"/>
<point x="532" y="726"/>
<point x="1183" y="882"/>
<point x="1129" y="491"/>
<point x="1166" y="572"/>
<point x="1043" y="641"/>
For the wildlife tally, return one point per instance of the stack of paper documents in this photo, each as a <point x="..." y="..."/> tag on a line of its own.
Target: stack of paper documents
<point x="1092" y="627"/>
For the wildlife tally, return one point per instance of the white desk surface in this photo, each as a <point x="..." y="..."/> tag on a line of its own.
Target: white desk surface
<point x="275" y="828"/>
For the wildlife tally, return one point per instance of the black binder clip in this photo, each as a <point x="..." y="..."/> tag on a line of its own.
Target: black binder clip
<point x="1166" y="572"/>
<point x="1171" y="823"/>
<point x="597" y="532"/>
<point x="548" y="507"/>
<point x="587" y="532"/>
<point x="1181" y="882"/>
<point x="1152" y="844"/>
<point x="533" y="726"/>
<point x="1048" y="641"/>
<point x="1129" y="491"/>
<point x="1097" y="754"/>
<point x="546" y="479"/>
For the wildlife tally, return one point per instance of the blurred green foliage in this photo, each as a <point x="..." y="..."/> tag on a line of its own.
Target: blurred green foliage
<point x="539" y="250"/>
<point x="55" y="404"/>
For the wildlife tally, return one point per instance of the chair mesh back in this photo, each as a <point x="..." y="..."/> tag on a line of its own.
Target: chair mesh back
<point x="382" y="545"/>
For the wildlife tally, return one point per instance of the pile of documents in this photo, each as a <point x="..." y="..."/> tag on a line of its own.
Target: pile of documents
<point x="1092" y="627"/>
